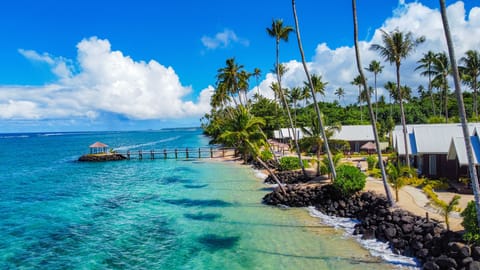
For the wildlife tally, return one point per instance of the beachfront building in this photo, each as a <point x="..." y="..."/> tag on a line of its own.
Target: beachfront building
<point x="458" y="154"/>
<point x="357" y="136"/>
<point x="429" y="147"/>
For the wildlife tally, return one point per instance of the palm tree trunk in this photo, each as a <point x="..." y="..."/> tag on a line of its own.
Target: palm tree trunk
<point x="430" y="90"/>
<point x="289" y="114"/>
<point x="461" y="109"/>
<point x="402" y="113"/>
<point x="370" y="110"/>
<point x="445" y="90"/>
<point x="310" y="83"/>
<point x="376" y="100"/>
<point x="272" y="174"/>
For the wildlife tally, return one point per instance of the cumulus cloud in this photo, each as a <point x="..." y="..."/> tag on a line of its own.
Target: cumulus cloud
<point x="337" y="65"/>
<point x="106" y="81"/>
<point x="223" y="40"/>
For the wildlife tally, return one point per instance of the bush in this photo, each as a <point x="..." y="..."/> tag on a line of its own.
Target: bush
<point x="266" y="155"/>
<point x="349" y="180"/>
<point x="472" y="233"/>
<point x="372" y="162"/>
<point x="375" y="173"/>
<point x="291" y="163"/>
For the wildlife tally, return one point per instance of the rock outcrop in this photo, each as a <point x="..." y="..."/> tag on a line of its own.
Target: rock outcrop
<point x="102" y="157"/>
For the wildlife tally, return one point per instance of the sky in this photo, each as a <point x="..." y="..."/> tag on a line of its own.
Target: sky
<point x="134" y="65"/>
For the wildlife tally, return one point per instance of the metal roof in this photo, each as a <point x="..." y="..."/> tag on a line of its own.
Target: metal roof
<point x="98" y="145"/>
<point x="458" y="151"/>
<point x="354" y="133"/>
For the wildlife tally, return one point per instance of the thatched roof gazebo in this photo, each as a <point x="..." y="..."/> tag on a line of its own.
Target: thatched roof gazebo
<point x="369" y="147"/>
<point x="98" y="148"/>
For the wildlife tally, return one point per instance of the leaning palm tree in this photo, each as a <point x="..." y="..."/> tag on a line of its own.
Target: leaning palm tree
<point x="370" y="110"/>
<point x="375" y="67"/>
<point x="245" y="134"/>
<point x="471" y="72"/>
<point x="426" y="64"/>
<point x="461" y="108"/>
<point x="312" y="90"/>
<point x="397" y="46"/>
<point x="280" y="32"/>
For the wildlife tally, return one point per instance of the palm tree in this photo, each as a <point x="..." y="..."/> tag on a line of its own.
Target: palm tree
<point x="461" y="109"/>
<point x="397" y="46"/>
<point x="294" y="96"/>
<point x="280" y="32"/>
<point x="306" y="95"/>
<point x="440" y="69"/>
<point x="370" y="110"/>
<point x="426" y="64"/>
<point x="358" y="82"/>
<point x="340" y="93"/>
<point x="391" y="87"/>
<point x="375" y="67"/>
<point x="244" y="133"/>
<point x="471" y="72"/>
<point x="447" y="208"/>
<point x="256" y="73"/>
<point x="312" y="90"/>
<point x="232" y="77"/>
<point x="318" y="84"/>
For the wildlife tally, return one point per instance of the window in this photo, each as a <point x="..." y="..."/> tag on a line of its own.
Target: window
<point x="432" y="168"/>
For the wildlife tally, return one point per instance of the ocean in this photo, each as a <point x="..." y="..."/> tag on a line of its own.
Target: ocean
<point x="57" y="213"/>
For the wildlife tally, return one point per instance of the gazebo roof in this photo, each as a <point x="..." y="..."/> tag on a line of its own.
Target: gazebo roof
<point x="368" y="146"/>
<point x="98" y="145"/>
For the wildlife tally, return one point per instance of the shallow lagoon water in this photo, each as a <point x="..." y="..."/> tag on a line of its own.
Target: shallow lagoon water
<point x="151" y="214"/>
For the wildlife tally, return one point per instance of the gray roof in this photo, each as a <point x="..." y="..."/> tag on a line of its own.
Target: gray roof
<point x="458" y="151"/>
<point x="354" y="133"/>
<point x="398" y="142"/>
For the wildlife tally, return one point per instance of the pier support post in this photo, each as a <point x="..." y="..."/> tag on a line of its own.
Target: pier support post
<point x="152" y="154"/>
<point x="176" y="153"/>
<point x="128" y="154"/>
<point x="223" y="152"/>
<point x="199" y="153"/>
<point x="211" y="152"/>
<point x="186" y="152"/>
<point x="164" y="153"/>
<point x="140" y="155"/>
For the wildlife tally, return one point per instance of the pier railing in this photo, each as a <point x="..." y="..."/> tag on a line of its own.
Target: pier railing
<point x="179" y="153"/>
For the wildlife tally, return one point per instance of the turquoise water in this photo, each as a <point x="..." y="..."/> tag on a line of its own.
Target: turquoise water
<point x="56" y="213"/>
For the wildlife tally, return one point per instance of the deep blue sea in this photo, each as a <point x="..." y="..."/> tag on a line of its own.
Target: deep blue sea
<point x="57" y="213"/>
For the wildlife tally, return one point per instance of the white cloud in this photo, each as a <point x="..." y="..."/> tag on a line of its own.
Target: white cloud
<point x="223" y="40"/>
<point x="337" y="65"/>
<point x="107" y="81"/>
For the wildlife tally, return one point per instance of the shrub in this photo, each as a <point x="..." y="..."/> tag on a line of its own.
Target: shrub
<point x="266" y="155"/>
<point x="291" y="163"/>
<point x="372" y="162"/>
<point x="349" y="180"/>
<point x="472" y="232"/>
<point x="375" y="173"/>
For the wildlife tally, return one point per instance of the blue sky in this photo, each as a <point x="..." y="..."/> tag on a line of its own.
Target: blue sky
<point x="98" y="65"/>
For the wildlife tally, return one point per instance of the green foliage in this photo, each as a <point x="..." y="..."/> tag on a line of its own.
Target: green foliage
<point x="349" y="180"/>
<point x="375" y="172"/>
<point x="470" y="223"/>
<point x="266" y="155"/>
<point x="372" y="162"/>
<point x="291" y="163"/>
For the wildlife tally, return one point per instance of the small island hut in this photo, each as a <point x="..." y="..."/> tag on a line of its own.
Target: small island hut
<point x="369" y="147"/>
<point x="98" y="148"/>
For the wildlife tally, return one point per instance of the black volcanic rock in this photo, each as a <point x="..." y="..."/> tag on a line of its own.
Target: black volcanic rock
<point x="101" y="157"/>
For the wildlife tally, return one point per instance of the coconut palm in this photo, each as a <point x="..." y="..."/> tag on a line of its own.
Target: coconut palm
<point x="440" y="69"/>
<point x="312" y="90"/>
<point x="370" y="110"/>
<point x="358" y="82"/>
<point x="391" y="87"/>
<point x="397" y="46"/>
<point x="471" y="72"/>
<point x="294" y="96"/>
<point x="256" y="73"/>
<point x="449" y="207"/>
<point x="306" y="95"/>
<point x="232" y="77"/>
<point x="280" y="32"/>
<point x="375" y="67"/>
<point x="244" y="133"/>
<point x="426" y="64"/>
<point x="318" y="84"/>
<point x="340" y="93"/>
<point x="461" y="108"/>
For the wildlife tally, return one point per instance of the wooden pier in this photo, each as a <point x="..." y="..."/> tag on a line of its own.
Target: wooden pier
<point x="179" y="153"/>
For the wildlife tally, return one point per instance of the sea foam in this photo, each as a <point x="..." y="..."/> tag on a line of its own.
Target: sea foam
<point x="376" y="248"/>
